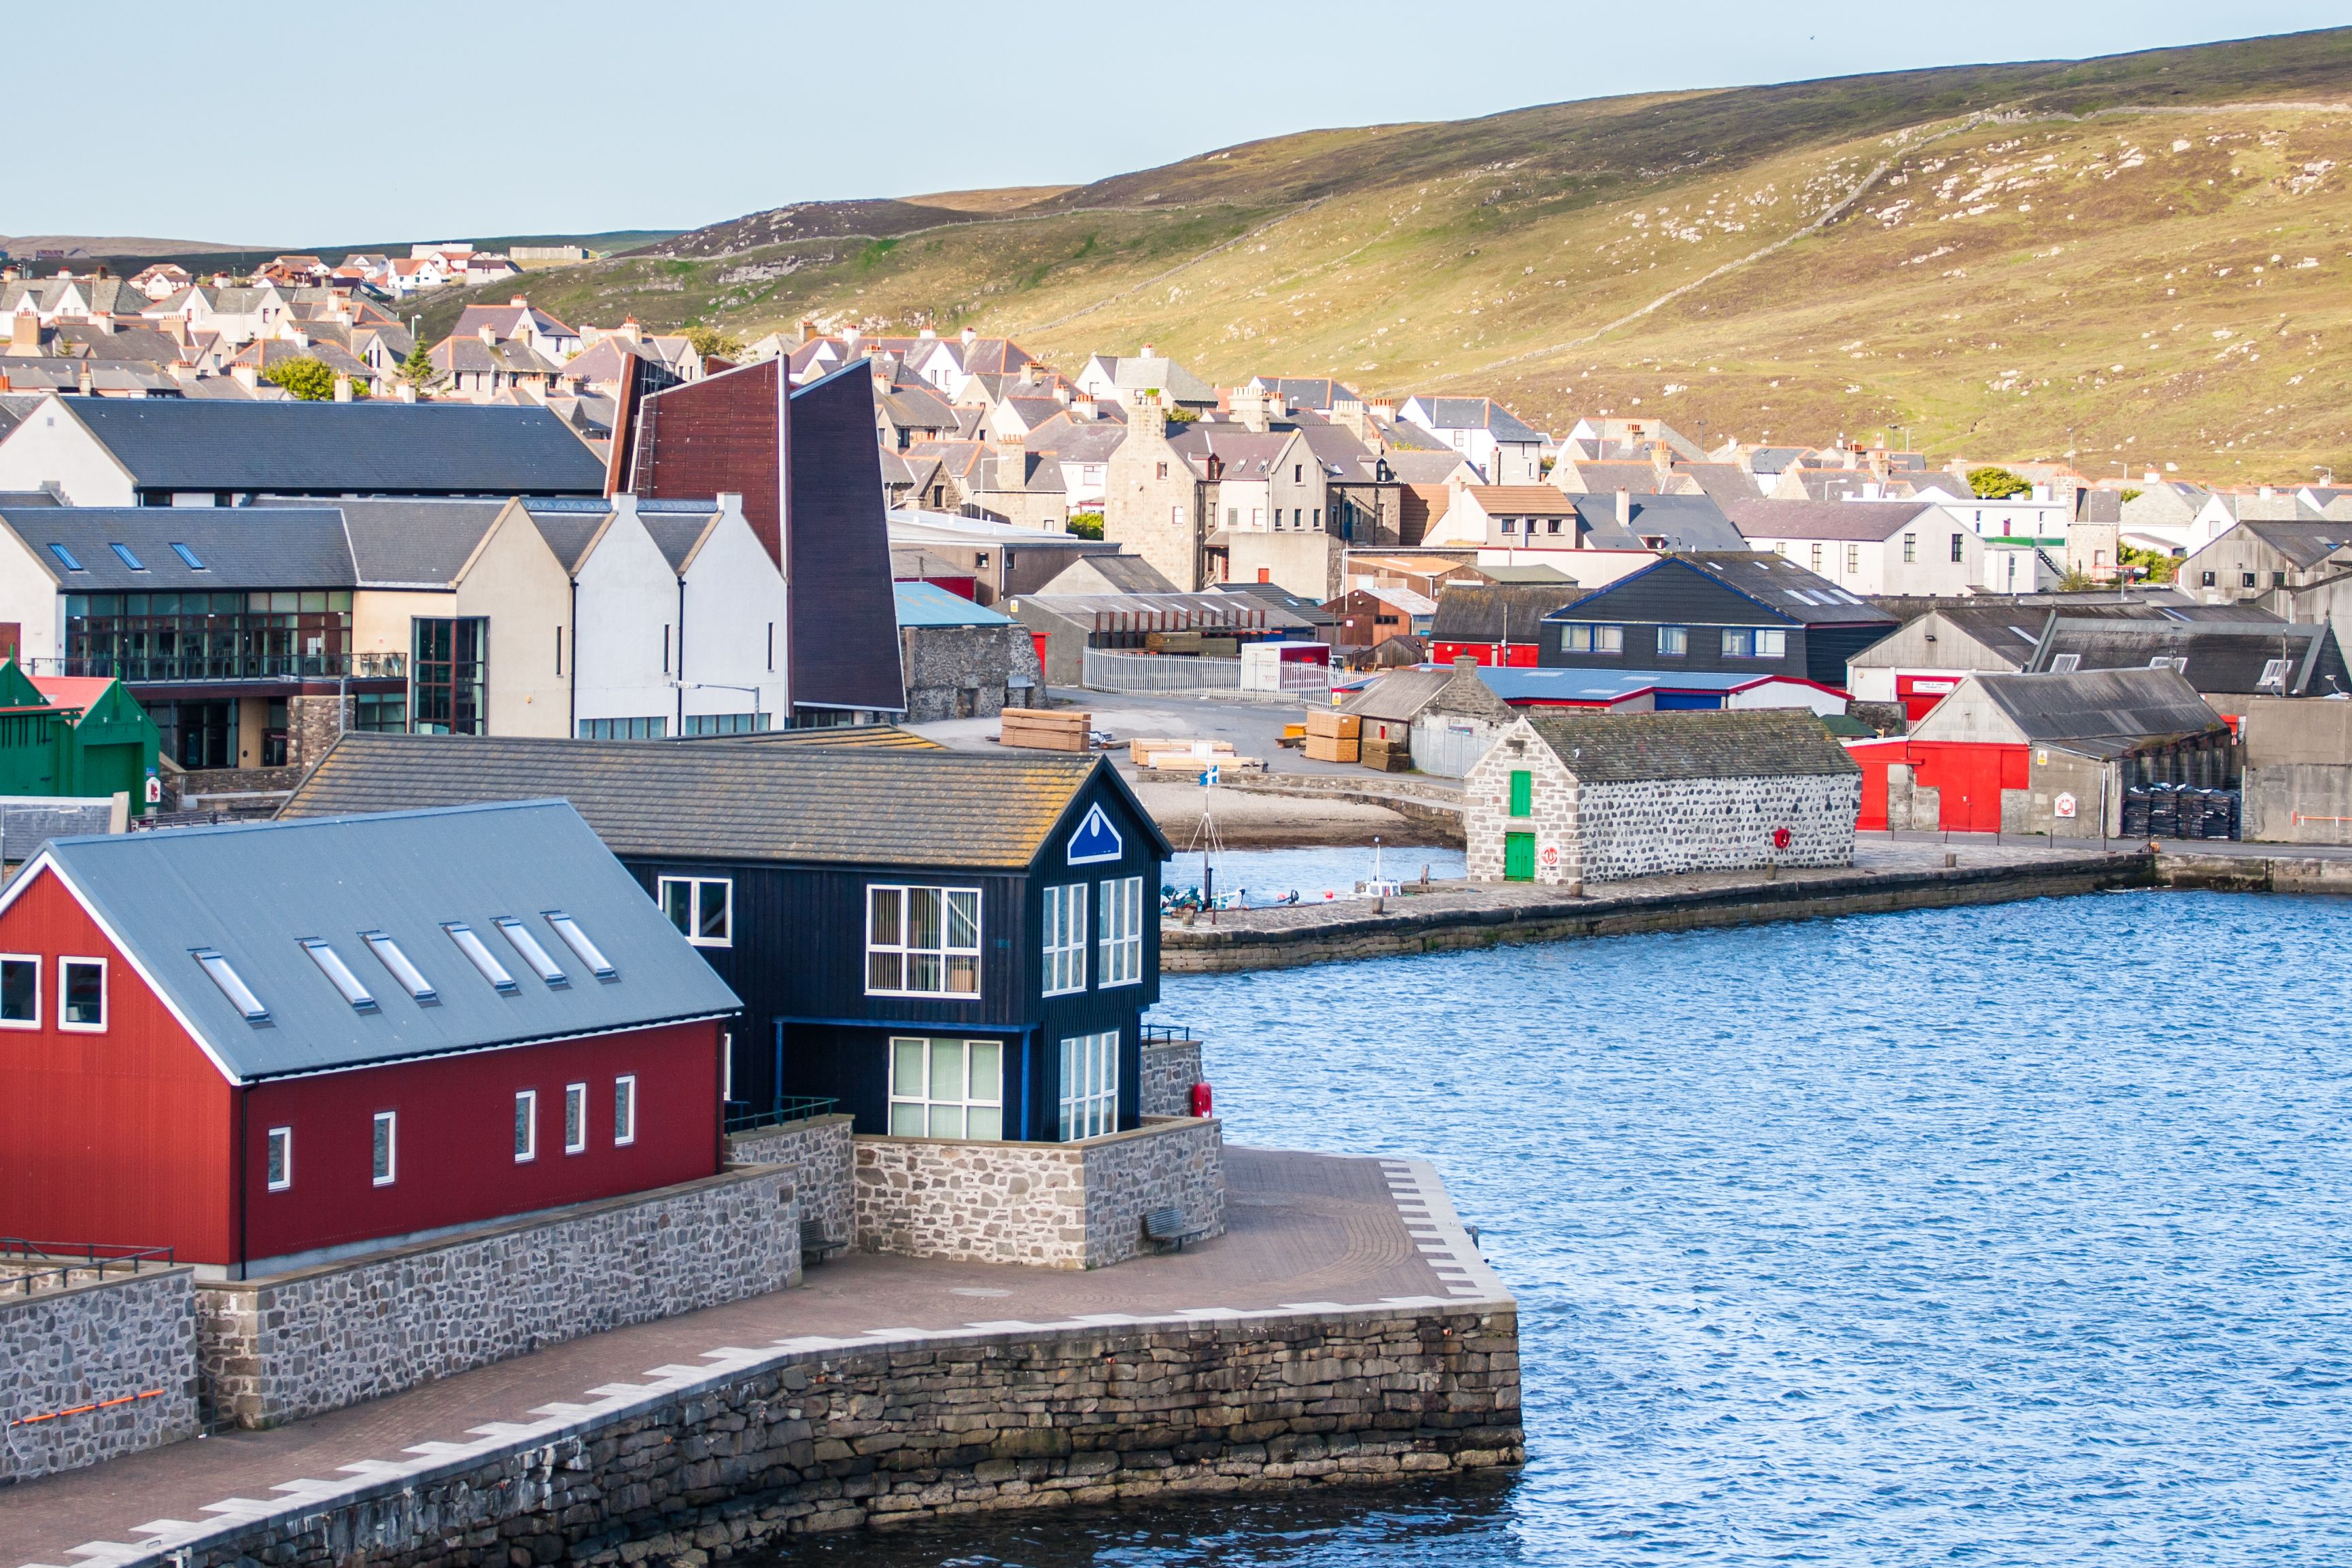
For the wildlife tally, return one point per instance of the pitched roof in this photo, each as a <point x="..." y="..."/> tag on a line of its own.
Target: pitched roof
<point x="1730" y="744"/>
<point x="254" y="893"/>
<point x="1488" y="612"/>
<point x="1523" y="500"/>
<point x="2100" y="713"/>
<point x="1309" y="610"/>
<point x="448" y="448"/>
<point x="240" y="548"/>
<point x="1121" y="572"/>
<point x="407" y="543"/>
<point x="732" y="801"/>
<point x="2304" y="542"/>
<point x="1865" y="521"/>
<point x="2219" y="656"/>
<point x="1476" y="413"/>
<point x="1404" y="694"/>
<point x="1681" y="522"/>
<point x="928" y="604"/>
<point x="1779" y="586"/>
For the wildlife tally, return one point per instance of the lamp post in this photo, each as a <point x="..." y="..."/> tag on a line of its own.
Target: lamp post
<point x="721" y="687"/>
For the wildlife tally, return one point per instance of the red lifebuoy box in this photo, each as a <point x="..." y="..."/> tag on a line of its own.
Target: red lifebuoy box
<point x="1202" y="1105"/>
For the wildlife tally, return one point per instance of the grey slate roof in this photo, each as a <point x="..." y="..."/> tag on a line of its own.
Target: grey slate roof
<point x="2101" y="713"/>
<point x="241" y="548"/>
<point x="187" y="444"/>
<point x="1684" y="522"/>
<point x="727" y="801"/>
<point x="1776" y="584"/>
<point x="1600" y="747"/>
<point x="253" y="892"/>
<point x="2304" y="542"/>
<point x="676" y="532"/>
<point x="405" y="543"/>
<point x="1863" y="521"/>
<point x="1496" y="612"/>
<point x="2221" y="657"/>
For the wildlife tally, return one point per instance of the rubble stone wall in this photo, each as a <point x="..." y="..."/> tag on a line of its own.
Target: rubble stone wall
<point x="1653" y="827"/>
<point x="130" y="1338"/>
<point x="1170" y="1068"/>
<point x="817" y="1152"/>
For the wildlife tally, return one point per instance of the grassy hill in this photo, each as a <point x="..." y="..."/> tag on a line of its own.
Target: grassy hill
<point x="2140" y="259"/>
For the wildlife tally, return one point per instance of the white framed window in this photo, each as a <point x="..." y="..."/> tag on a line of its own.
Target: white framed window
<point x="1853" y="557"/>
<point x="922" y="941"/>
<point x="576" y="1118"/>
<point x="81" y="995"/>
<point x="1120" y="961"/>
<point x="947" y="1088"/>
<point x="624" y="1110"/>
<point x="20" y="990"/>
<point x="1089" y="1086"/>
<point x="701" y="907"/>
<point x="1582" y="637"/>
<point x="526" y="1127"/>
<point x="279" y="1159"/>
<point x="1754" y="643"/>
<point x="1065" y="939"/>
<point x="386" y="1147"/>
<point x="1673" y="641"/>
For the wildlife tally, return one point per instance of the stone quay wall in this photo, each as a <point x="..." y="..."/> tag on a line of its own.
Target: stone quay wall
<point x="310" y="1340"/>
<point x="88" y="1343"/>
<point x="889" y="1436"/>
<point x="818" y="1153"/>
<point x="1048" y="1206"/>
<point x="1170" y="1068"/>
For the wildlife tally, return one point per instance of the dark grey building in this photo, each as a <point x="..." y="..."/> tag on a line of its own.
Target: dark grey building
<point x="1744" y="612"/>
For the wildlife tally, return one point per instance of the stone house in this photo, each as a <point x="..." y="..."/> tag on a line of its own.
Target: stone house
<point x="1565" y="799"/>
<point x="961" y="659"/>
<point x="1154" y="503"/>
<point x="1448" y="717"/>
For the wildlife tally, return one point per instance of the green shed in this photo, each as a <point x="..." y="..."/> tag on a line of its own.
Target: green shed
<point x="78" y="735"/>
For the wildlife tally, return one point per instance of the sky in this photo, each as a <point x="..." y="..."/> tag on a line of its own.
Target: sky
<point x="467" y="120"/>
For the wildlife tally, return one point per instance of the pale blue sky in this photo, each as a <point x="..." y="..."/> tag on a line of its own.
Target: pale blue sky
<point x="323" y="125"/>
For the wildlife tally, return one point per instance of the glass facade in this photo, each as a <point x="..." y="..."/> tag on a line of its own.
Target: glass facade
<point x="155" y="637"/>
<point x="449" y="673"/>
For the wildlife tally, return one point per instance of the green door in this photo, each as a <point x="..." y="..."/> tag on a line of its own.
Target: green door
<point x="1518" y="857"/>
<point x="1523" y="793"/>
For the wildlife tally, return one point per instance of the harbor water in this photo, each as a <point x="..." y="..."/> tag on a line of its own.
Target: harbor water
<point x="1264" y="878"/>
<point x="2003" y="1235"/>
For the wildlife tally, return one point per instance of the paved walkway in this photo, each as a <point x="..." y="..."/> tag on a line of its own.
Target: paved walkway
<point x="1304" y="1231"/>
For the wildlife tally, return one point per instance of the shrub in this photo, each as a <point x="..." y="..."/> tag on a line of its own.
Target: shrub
<point x="1991" y="483"/>
<point x="308" y="379"/>
<point x="1086" y="525"/>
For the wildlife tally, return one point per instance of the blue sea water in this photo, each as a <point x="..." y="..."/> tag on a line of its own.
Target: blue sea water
<point x="1266" y="877"/>
<point x="1994" y="1236"/>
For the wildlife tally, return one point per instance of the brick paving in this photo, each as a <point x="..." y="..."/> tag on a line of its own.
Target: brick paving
<point x="1305" y="1230"/>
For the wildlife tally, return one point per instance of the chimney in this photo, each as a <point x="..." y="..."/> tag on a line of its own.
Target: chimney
<point x="1082" y="406"/>
<point x="808" y="328"/>
<point x="486" y="334"/>
<point x="519" y="299"/>
<point x="1385" y="412"/>
<point x="970" y="334"/>
<point x="82" y="381"/>
<point x="1148" y="352"/>
<point x="2151" y="477"/>
<point x="1350" y="417"/>
<point x="244" y="375"/>
<point x="25" y="336"/>
<point x="343" y="389"/>
<point x="407" y="393"/>
<point x="1249" y="407"/>
<point x="1661" y="459"/>
<point x="1625" y="506"/>
<point x="1463" y="664"/>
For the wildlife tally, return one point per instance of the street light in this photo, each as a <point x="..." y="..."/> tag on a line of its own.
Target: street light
<point x="684" y="687"/>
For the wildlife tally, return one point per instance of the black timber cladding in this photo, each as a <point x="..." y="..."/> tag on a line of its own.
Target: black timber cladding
<point x="1826" y="626"/>
<point x="842" y="628"/>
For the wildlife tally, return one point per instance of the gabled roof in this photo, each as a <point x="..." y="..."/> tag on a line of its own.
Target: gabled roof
<point x="1308" y="610"/>
<point x="1681" y="522"/>
<point x="1404" y="696"/>
<point x="730" y="800"/>
<point x="928" y="604"/>
<point x="254" y="893"/>
<point x="1305" y="392"/>
<point x="1488" y="612"/>
<point x="405" y="543"/>
<point x="2218" y="656"/>
<point x="2099" y="713"/>
<point x="1731" y="744"/>
<point x="1121" y="572"/>
<point x="2304" y="542"/>
<point x="240" y="548"/>
<point x="1863" y="521"/>
<point x="450" y="448"/>
<point x="1472" y="413"/>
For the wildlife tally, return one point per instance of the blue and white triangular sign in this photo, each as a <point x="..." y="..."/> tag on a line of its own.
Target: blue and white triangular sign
<point x="1095" y="840"/>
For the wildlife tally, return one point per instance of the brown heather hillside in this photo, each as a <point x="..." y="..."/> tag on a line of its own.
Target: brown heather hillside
<point x="2141" y="259"/>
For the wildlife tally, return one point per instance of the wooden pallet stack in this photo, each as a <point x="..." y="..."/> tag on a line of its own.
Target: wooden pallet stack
<point x="1333" y="737"/>
<point x="1387" y="755"/>
<point x="1045" y="729"/>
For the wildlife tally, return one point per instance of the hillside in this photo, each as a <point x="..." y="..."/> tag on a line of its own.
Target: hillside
<point x="2140" y="258"/>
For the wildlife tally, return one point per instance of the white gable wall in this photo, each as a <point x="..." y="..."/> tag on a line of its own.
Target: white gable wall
<point x="52" y="447"/>
<point x="735" y="622"/>
<point x="625" y="600"/>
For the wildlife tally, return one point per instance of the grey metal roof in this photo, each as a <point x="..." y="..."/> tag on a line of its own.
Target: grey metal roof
<point x="2100" y="713"/>
<point x="728" y="800"/>
<point x="1605" y="747"/>
<point x="253" y="892"/>
<point x="1779" y="585"/>
<point x="2304" y="542"/>
<point x="241" y="548"/>
<point x="183" y="444"/>
<point x="676" y="533"/>
<point x="2218" y="656"/>
<point x="1862" y="522"/>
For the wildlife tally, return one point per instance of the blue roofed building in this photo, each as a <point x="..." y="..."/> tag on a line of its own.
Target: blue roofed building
<point x="962" y="660"/>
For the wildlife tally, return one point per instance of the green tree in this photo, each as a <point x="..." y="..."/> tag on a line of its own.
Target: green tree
<point x="1086" y="525"/>
<point x="418" y="368"/>
<point x="306" y="378"/>
<point x="1991" y="483"/>
<point x="707" y="341"/>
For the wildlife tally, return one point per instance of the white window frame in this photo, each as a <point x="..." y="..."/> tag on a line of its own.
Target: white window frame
<point x="1119" y="933"/>
<point x="1088" y="1086"/>
<point x="905" y="954"/>
<point x="527" y="1124"/>
<point x="1063" y="946"/>
<point x="66" y="963"/>
<point x="694" y="886"/>
<point x="624" y="1110"/>
<point x="576" y="1118"/>
<point x="385" y="1128"/>
<point x="35" y="960"/>
<point x="278" y="1145"/>
<point x="1596" y="637"/>
<point x="912" y="1103"/>
<point x="1679" y="636"/>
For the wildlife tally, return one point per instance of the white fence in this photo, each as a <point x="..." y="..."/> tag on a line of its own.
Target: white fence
<point x="1178" y="674"/>
<point x="1448" y="751"/>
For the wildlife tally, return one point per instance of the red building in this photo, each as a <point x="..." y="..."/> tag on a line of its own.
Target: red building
<point x="267" y="1045"/>
<point x="1499" y="624"/>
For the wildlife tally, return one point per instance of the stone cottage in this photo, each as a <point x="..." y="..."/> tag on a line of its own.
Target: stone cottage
<point x="1448" y="714"/>
<point x="1571" y="798"/>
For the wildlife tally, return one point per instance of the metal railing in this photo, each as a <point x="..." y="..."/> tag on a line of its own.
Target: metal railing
<point x="742" y="1118"/>
<point x="1168" y="1031"/>
<point x="1174" y="674"/>
<point x="142" y="669"/>
<point x="63" y="1260"/>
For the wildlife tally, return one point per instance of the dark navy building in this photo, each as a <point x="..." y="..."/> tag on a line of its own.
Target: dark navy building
<point x="1747" y="613"/>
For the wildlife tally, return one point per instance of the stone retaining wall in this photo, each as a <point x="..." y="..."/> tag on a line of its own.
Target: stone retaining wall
<point x="1170" y="1068"/>
<point x="889" y="1436"/>
<point x="112" y="1339"/>
<point x="293" y="1345"/>
<point x="818" y="1153"/>
<point x="1048" y="1206"/>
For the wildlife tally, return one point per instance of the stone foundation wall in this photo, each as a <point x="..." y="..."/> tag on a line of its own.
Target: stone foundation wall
<point x="1170" y="1068"/>
<point x="895" y="1434"/>
<point x="817" y="1152"/>
<point x="114" y="1339"/>
<point x="1048" y="1206"/>
<point x="293" y="1345"/>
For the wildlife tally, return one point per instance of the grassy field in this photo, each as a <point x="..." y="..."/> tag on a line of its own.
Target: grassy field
<point x="2140" y="260"/>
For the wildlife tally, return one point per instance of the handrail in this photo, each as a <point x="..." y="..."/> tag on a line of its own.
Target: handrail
<point x="1168" y="1031"/>
<point x="95" y="1256"/>
<point x="793" y="1108"/>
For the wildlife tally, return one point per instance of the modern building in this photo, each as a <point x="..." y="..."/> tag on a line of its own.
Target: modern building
<point x="304" y="1041"/>
<point x="948" y="945"/>
<point x="1749" y="613"/>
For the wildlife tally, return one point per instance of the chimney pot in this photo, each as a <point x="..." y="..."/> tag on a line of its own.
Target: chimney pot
<point x="1147" y="353"/>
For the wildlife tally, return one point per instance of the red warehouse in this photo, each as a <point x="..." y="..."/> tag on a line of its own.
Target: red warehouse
<point x="266" y="1046"/>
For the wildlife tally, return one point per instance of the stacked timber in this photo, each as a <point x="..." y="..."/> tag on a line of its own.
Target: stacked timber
<point x="1334" y="736"/>
<point x="1387" y="755"/>
<point x="1042" y="730"/>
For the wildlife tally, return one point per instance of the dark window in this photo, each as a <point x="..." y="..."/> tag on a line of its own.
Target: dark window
<point x="198" y="735"/>
<point x="2209" y="581"/>
<point x="450" y="665"/>
<point x="148" y="637"/>
<point x="2245" y="580"/>
<point x="2278" y="580"/>
<point x="85" y="994"/>
<point x="273" y="734"/>
<point x="20" y="990"/>
<point x="1956" y="545"/>
<point x="380" y="711"/>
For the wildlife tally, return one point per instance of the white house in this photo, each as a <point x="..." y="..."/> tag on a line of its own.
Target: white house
<point x="1504" y="449"/>
<point x="1129" y="380"/>
<point x="1869" y="547"/>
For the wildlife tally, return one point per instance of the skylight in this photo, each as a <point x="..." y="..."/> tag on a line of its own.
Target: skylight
<point x="132" y="562"/>
<point x="481" y="957"/>
<point x="412" y="979"/>
<point x="185" y="554"/>
<point x="330" y="964"/>
<point x="585" y="950"/>
<point x="532" y="953"/>
<point x="232" y="984"/>
<point x="67" y="556"/>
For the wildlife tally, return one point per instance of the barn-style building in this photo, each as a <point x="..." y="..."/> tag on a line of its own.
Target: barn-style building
<point x="268" y="1045"/>
<point x="1567" y="796"/>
